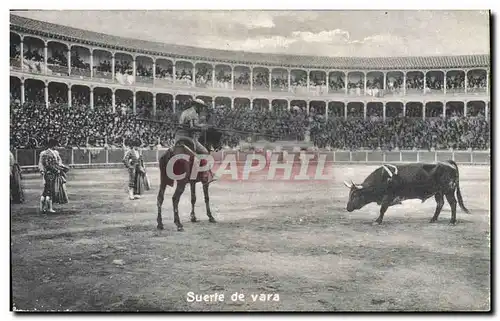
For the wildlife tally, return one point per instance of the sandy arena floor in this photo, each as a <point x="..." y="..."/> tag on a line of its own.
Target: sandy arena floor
<point x="292" y="240"/>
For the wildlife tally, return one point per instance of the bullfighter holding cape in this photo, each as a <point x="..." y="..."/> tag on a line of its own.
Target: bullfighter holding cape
<point x="16" y="188"/>
<point x="138" y="180"/>
<point x="54" y="175"/>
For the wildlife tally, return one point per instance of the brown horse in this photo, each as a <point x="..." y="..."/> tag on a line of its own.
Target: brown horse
<point x="211" y="139"/>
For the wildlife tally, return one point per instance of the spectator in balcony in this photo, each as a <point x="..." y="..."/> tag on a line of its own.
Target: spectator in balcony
<point x="279" y="83"/>
<point x="476" y="82"/>
<point x="243" y="79"/>
<point x="415" y="82"/>
<point x="184" y="75"/>
<point x="223" y="79"/>
<point x="79" y="67"/>
<point x="203" y="76"/>
<point x="15" y="51"/>
<point x="59" y="58"/>
<point x="104" y="66"/>
<point x="299" y="81"/>
<point x="144" y="72"/>
<point x="33" y="55"/>
<point x="337" y="84"/>
<point x="261" y="79"/>
<point x="455" y="83"/>
<point x="162" y="73"/>
<point x="434" y="83"/>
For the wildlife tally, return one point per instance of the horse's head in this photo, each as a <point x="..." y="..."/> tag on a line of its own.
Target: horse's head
<point x="211" y="139"/>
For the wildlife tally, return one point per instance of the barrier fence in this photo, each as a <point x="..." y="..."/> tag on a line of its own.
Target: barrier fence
<point x="100" y="157"/>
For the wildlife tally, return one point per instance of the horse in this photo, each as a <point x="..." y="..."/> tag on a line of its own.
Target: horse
<point x="211" y="139"/>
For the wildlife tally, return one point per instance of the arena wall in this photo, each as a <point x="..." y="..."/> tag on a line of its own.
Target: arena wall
<point x="102" y="158"/>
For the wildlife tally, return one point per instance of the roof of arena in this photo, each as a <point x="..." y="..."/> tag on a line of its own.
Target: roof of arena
<point x="90" y="38"/>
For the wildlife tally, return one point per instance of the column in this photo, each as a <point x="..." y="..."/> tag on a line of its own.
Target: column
<point x="173" y="103"/>
<point x="232" y="102"/>
<point x="404" y="109"/>
<point x="45" y="54"/>
<point x="193" y="78"/>
<point x="251" y="79"/>
<point x="445" y="83"/>
<point x="22" y="92"/>
<point x="47" y="95"/>
<point x="22" y="53"/>
<point x="308" y="82"/>
<point x="134" y="68"/>
<point x="113" y="99"/>
<point x="91" y="64"/>
<point x="92" y="98"/>
<point x="288" y="101"/>
<point x="270" y="105"/>
<point x="213" y="102"/>
<point x="289" y="84"/>
<point x="113" y="68"/>
<point x="154" y="73"/>
<point x="423" y="110"/>
<point x="345" y="110"/>
<point x="270" y="81"/>
<point x="69" y="61"/>
<point x="425" y="80"/>
<point x="154" y="103"/>
<point x="486" y="107"/>
<point x="364" y="91"/>
<point x="251" y="103"/>
<point x="69" y="96"/>
<point x="327" y="82"/>
<point x="346" y="81"/>
<point x="134" y="105"/>
<point x="384" y="86"/>
<point x="308" y="106"/>
<point x="213" y="76"/>
<point x="465" y="81"/>
<point x="232" y="78"/>
<point x="444" y="108"/>
<point x="404" y="83"/>
<point x="365" y="107"/>
<point x="487" y="82"/>
<point x="173" y="72"/>
<point x="326" y="106"/>
<point x="383" y="110"/>
<point x="465" y="107"/>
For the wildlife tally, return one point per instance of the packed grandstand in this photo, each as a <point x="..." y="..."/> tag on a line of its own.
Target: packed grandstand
<point x="90" y="89"/>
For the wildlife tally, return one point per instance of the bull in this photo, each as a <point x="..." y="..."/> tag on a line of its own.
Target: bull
<point x="390" y="185"/>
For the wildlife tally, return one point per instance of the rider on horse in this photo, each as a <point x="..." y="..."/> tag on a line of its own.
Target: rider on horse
<point x="189" y="126"/>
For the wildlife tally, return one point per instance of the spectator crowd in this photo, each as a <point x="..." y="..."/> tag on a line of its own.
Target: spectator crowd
<point x="79" y="126"/>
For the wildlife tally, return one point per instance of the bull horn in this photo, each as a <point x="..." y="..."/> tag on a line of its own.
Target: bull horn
<point x="395" y="168"/>
<point x="347" y="184"/>
<point x="388" y="171"/>
<point x="356" y="185"/>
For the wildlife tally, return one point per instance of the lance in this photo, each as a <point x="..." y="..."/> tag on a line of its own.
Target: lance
<point x="215" y="128"/>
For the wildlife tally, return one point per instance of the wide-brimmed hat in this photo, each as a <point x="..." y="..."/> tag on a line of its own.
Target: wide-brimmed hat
<point x="52" y="142"/>
<point x="199" y="102"/>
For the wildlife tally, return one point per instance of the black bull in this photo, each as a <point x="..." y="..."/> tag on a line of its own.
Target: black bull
<point x="390" y="185"/>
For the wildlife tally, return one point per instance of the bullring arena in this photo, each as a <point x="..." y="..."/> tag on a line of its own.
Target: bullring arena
<point x="286" y="246"/>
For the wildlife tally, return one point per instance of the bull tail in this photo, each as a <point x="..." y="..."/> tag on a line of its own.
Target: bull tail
<point x="459" y="194"/>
